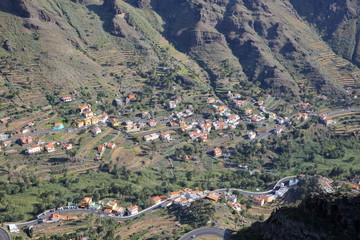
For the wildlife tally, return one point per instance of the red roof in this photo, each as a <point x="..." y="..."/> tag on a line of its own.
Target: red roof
<point x="156" y="199"/>
<point x="132" y="208"/>
<point x="107" y="210"/>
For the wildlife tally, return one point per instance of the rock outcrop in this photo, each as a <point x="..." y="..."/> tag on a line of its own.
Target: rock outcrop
<point x="25" y="9"/>
<point x="318" y="217"/>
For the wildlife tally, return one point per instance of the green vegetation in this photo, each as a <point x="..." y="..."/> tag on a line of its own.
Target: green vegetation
<point x="307" y="152"/>
<point x="198" y="214"/>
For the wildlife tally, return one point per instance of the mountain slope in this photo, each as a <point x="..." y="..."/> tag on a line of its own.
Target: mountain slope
<point x="282" y="47"/>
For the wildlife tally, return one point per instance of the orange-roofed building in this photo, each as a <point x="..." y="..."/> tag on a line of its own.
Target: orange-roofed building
<point x="50" y="147"/>
<point x="133" y="210"/>
<point x="175" y="194"/>
<point x="217" y="152"/>
<point x="54" y="216"/>
<point x="108" y="211"/>
<point x="213" y="197"/>
<point x="155" y="200"/>
<point x="132" y="96"/>
<point x="85" y="107"/>
<point x="111" y="204"/>
<point x="67" y="98"/>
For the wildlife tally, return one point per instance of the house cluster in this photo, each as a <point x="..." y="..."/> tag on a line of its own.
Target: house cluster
<point x="165" y="136"/>
<point x="186" y="196"/>
<point x="131" y="126"/>
<point x="89" y="117"/>
<point x="326" y="120"/>
<point x="34" y="147"/>
<point x="201" y="129"/>
<point x="111" y="207"/>
<point x="101" y="149"/>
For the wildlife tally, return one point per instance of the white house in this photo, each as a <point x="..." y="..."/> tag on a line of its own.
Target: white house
<point x="133" y="210"/>
<point x="96" y="130"/>
<point x="251" y="135"/>
<point x="151" y="137"/>
<point x="34" y="149"/>
<point x="13" y="228"/>
<point x="293" y="182"/>
<point x="3" y="137"/>
<point x="165" y="137"/>
<point x="172" y="104"/>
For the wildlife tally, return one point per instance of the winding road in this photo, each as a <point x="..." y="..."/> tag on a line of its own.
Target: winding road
<point x="47" y="214"/>
<point x="4" y="235"/>
<point x="205" y="231"/>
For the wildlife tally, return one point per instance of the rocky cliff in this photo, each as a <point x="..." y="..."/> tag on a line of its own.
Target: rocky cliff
<point x="318" y="217"/>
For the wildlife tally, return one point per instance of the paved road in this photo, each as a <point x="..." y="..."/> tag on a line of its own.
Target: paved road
<point x="47" y="214"/>
<point x="204" y="232"/>
<point x="258" y="194"/>
<point x="4" y="235"/>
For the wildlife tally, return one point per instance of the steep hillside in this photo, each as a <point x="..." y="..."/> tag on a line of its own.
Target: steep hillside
<point x="338" y="23"/>
<point x="50" y="48"/>
<point x="273" y="46"/>
<point x="332" y="216"/>
<point x="284" y="47"/>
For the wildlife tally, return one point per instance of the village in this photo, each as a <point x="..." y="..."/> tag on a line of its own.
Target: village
<point x="223" y="123"/>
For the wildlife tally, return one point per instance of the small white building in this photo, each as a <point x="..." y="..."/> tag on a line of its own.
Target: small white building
<point x="96" y="130"/>
<point x="165" y="137"/>
<point x="293" y="182"/>
<point x="281" y="192"/>
<point x="133" y="210"/>
<point x="151" y="137"/>
<point x="278" y="130"/>
<point x="3" y="137"/>
<point x="13" y="228"/>
<point x="166" y="204"/>
<point x="251" y="135"/>
<point x="172" y="104"/>
<point x="34" y="149"/>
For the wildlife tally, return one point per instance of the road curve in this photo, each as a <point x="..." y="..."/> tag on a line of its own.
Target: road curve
<point x="204" y="231"/>
<point x="4" y="235"/>
<point x="248" y="193"/>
